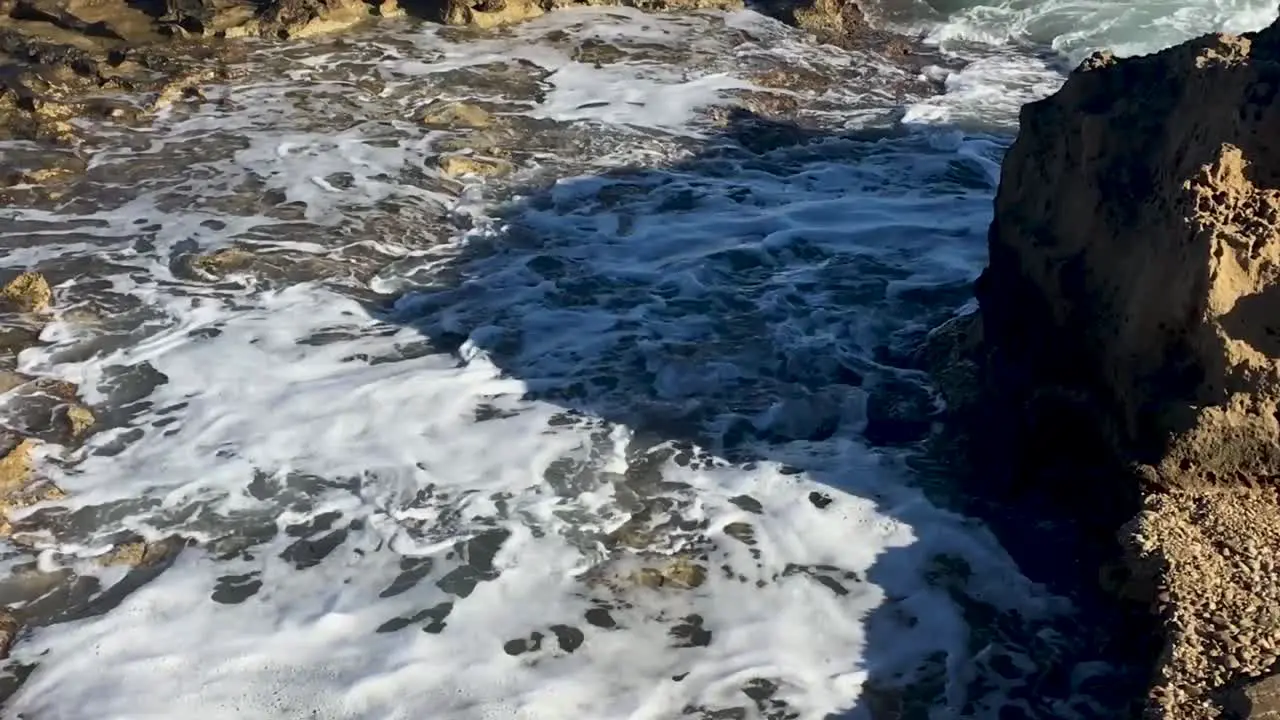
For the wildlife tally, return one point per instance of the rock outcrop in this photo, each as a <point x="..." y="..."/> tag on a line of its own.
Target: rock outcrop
<point x="1136" y="251"/>
<point x="1129" y="331"/>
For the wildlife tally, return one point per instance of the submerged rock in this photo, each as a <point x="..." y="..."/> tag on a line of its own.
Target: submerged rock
<point x="1129" y="341"/>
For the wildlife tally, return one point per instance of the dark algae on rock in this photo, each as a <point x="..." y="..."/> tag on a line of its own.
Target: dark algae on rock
<point x="1127" y="338"/>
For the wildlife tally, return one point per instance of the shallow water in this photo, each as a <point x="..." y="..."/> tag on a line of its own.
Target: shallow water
<point x="596" y="438"/>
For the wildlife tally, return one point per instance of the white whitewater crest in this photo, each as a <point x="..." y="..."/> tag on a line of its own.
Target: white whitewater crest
<point x="1073" y="28"/>
<point x="587" y="441"/>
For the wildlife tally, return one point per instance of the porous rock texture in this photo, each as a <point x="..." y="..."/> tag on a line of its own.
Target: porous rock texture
<point x="1130" y="329"/>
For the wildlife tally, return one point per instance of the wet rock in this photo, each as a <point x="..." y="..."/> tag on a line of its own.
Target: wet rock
<point x="460" y="165"/>
<point x="182" y="88"/>
<point x="209" y="18"/>
<point x="950" y="354"/>
<point x="291" y="19"/>
<point x="679" y="572"/>
<point x="598" y="53"/>
<point x="140" y="554"/>
<point x="221" y="262"/>
<point x="29" y="292"/>
<point x="10" y="380"/>
<point x="40" y="176"/>
<point x="487" y="14"/>
<point x="898" y="411"/>
<point x="449" y="115"/>
<point x="836" y="22"/>
<point x="108" y="19"/>
<point x="9" y="629"/>
<point x="79" y="419"/>
<point x="17" y="483"/>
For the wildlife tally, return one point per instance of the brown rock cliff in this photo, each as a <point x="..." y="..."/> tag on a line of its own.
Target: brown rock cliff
<point x="1129" y="331"/>
<point x="1135" y="254"/>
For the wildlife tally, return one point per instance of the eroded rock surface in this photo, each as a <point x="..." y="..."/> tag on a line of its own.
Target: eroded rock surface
<point x="1136" y="248"/>
<point x="1129" y="332"/>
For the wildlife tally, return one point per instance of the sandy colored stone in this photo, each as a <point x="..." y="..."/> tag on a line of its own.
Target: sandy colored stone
<point x="1256" y="699"/>
<point x="138" y="553"/>
<point x="220" y="262"/>
<point x="16" y="483"/>
<point x="1220" y="605"/>
<point x="15" y="467"/>
<point x="678" y="572"/>
<point x="1130" y="324"/>
<point x="30" y="292"/>
<point x="489" y="14"/>
<point x="79" y="419"/>
<point x="460" y="165"/>
<point x="185" y="87"/>
<point x="59" y="388"/>
<point x="9" y="629"/>
<point x="292" y="19"/>
<point x="452" y="114"/>
<point x="109" y="19"/>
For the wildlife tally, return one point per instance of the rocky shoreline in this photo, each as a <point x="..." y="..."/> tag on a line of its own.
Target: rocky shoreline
<point x="1125" y="341"/>
<point x="61" y="59"/>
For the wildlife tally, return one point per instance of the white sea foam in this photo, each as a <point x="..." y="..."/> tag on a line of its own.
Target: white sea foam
<point x="1016" y="51"/>
<point x="1076" y="29"/>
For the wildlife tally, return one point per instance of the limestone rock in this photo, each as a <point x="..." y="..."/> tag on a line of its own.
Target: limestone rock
<point x="1130" y="342"/>
<point x="110" y="19"/>
<point x="486" y="14"/>
<point x="836" y="22"/>
<point x="1135" y="255"/>
<point x="17" y="486"/>
<point x="305" y="18"/>
<point x="10" y="380"/>
<point x="679" y="572"/>
<point x="459" y="165"/>
<point x="29" y="292"/>
<point x="185" y="86"/>
<point x="9" y="629"/>
<point x="211" y="18"/>
<point x="79" y="419"/>
<point x="140" y="554"/>
<point x="449" y="115"/>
